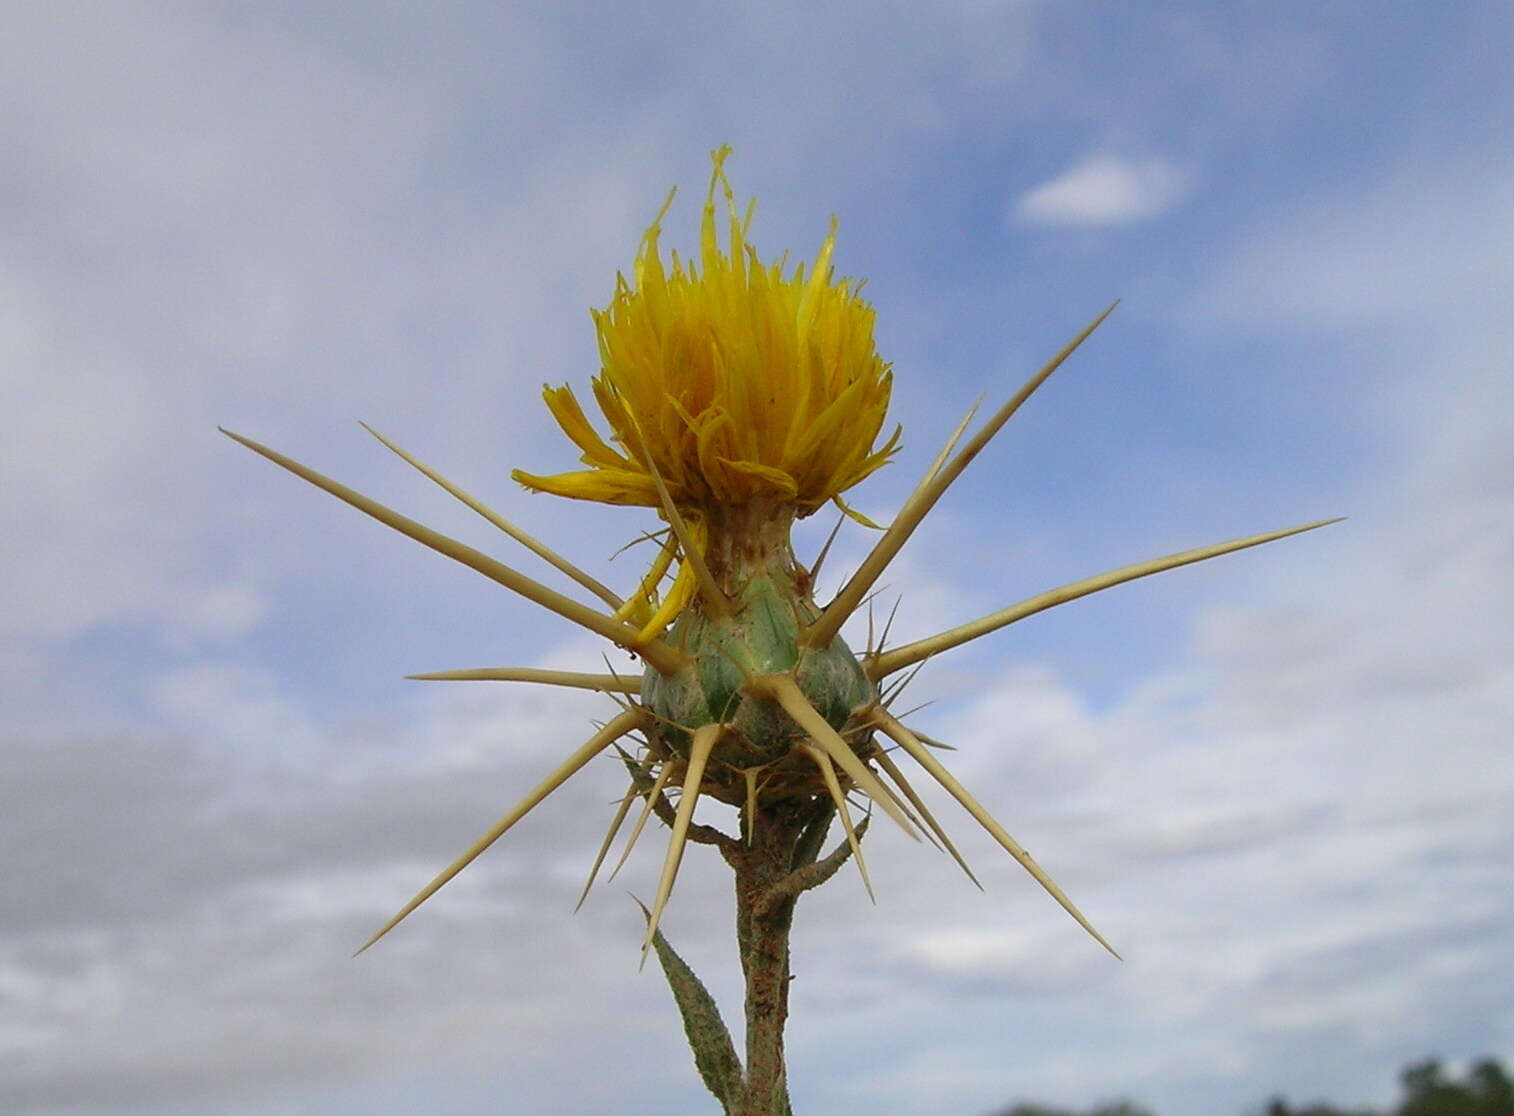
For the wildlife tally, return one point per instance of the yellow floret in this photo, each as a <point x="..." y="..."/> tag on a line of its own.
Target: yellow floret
<point x="734" y="381"/>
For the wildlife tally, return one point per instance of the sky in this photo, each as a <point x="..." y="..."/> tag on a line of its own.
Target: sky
<point x="1281" y="783"/>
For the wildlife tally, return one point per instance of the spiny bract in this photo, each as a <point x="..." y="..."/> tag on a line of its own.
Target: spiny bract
<point x="739" y="398"/>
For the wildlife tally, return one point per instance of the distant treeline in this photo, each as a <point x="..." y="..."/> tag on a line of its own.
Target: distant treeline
<point x="1427" y="1091"/>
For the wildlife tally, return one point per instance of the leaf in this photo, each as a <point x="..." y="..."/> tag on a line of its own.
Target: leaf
<point x="714" y="1052"/>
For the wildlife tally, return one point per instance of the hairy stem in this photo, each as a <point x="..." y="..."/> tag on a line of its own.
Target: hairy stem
<point x="775" y="849"/>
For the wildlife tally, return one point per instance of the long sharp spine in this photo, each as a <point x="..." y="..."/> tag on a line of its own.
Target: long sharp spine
<point x="907" y="740"/>
<point x="920" y="502"/>
<point x="886" y="662"/>
<point x="699" y="755"/>
<point x="614" y="730"/>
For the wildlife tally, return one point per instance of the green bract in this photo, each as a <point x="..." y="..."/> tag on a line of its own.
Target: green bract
<point x="760" y="637"/>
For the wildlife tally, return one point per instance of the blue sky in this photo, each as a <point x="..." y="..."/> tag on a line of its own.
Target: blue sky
<point x="1279" y="782"/>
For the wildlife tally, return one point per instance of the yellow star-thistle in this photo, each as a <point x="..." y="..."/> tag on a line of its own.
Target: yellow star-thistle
<point x="739" y="398"/>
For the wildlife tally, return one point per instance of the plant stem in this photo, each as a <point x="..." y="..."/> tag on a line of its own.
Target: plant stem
<point x="785" y="837"/>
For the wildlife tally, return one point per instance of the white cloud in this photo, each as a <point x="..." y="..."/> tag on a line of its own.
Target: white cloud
<point x="117" y="950"/>
<point x="1421" y="247"/>
<point x="1103" y="190"/>
<point x="215" y="612"/>
<point x="1305" y="831"/>
<point x="236" y="708"/>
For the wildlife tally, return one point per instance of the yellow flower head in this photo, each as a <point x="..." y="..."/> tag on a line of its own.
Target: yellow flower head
<point x="734" y="382"/>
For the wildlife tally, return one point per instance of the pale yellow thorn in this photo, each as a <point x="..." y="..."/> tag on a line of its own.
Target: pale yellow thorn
<point x="784" y="690"/>
<point x="888" y="625"/>
<point x="614" y="696"/>
<point x="660" y="655"/>
<point x="605" y="683"/>
<point x="889" y="661"/>
<point x="825" y="550"/>
<point x="699" y="755"/>
<point x="897" y="776"/>
<point x="749" y="775"/>
<point x="828" y="773"/>
<point x="951" y="443"/>
<point x="641" y="820"/>
<point x="716" y="602"/>
<point x="614" y="730"/>
<point x="921" y="754"/>
<point x="620" y="700"/>
<point x="939" y="745"/>
<point x="631" y="685"/>
<point x="604" y="849"/>
<point x="536" y="547"/>
<point x="645" y="536"/>
<point x="920" y="502"/>
<point x="895" y="690"/>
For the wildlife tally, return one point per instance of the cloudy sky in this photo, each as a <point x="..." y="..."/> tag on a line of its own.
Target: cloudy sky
<point x="1280" y="783"/>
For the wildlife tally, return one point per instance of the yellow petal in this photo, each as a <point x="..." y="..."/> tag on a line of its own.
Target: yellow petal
<point x="606" y="486"/>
